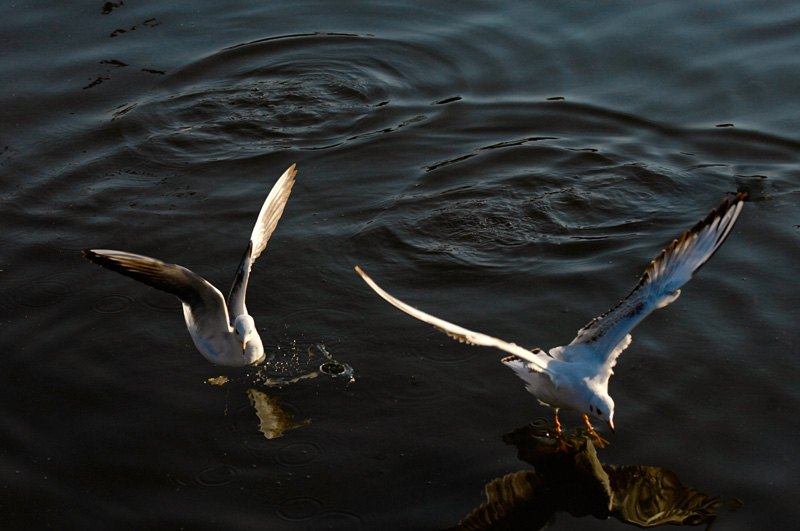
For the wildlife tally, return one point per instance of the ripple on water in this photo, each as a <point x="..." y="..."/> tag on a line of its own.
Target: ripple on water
<point x="299" y="454"/>
<point x="444" y="353"/>
<point x="413" y="392"/>
<point x="112" y="303"/>
<point x="470" y="226"/>
<point x="303" y="91"/>
<point x="299" y="509"/>
<point x="153" y="299"/>
<point x="216" y="475"/>
<point x="516" y="213"/>
<point x="44" y="292"/>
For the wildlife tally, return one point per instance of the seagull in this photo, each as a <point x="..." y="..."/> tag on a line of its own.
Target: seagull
<point x="575" y="376"/>
<point x="224" y="335"/>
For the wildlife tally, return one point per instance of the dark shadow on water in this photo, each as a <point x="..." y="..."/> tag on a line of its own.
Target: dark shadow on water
<point x="573" y="480"/>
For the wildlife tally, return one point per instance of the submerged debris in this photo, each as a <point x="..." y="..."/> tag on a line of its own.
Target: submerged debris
<point x="292" y="367"/>
<point x="219" y="380"/>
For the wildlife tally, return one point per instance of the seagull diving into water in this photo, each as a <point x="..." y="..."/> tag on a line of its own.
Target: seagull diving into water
<point x="576" y="376"/>
<point x="223" y="335"/>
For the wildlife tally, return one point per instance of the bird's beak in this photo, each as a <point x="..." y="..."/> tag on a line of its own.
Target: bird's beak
<point x="244" y="345"/>
<point x="611" y="425"/>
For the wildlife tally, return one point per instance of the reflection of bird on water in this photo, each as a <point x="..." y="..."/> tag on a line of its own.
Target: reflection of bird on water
<point x="223" y="335"/>
<point x="574" y="481"/>
<point x="576" y="376"/>
<point x="285" y="367"/>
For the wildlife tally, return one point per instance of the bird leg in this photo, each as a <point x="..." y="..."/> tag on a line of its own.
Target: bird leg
<point x="596" y="439"/>
<point x="562" y="444"/>
<point x="558" y="424"/>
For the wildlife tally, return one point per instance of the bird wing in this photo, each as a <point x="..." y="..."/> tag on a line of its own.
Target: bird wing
<point x="457" y="332"/>
<point x="268" y="218"/>
<point x="608" y="335"/>
<point x="206" y="307"/>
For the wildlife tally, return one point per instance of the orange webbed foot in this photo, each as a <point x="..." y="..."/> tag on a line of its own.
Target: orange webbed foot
<point x="593" y="435"/>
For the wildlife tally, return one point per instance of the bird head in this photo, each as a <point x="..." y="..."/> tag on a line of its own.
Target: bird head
<point x="244" y="330"/>
<point x="601" y="407"/>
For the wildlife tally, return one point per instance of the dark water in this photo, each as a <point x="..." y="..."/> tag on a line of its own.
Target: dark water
<point x="509" y="166"/>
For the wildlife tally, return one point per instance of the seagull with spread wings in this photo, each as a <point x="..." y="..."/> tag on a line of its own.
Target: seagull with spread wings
<point x="225" y="334"/>
<point x="575" y="376"/>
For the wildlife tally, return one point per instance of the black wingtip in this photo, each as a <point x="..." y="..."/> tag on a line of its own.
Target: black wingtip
<point x="104" y="261"/>
<point x="89" y="255"/>
<point x="720" y="211"/>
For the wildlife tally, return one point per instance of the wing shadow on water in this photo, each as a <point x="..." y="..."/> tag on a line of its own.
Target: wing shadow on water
<point x="574" y="481"/>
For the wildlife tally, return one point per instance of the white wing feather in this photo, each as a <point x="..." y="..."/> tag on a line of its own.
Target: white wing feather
<point x="268" y="217"/>
<point x="538" y="363"/>
<point x="658" y="287"/>
<point x="271" y="211"/>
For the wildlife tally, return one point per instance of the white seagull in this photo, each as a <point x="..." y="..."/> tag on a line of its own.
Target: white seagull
<point x="576" y="376"/>
<point x="223" y="335"/>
